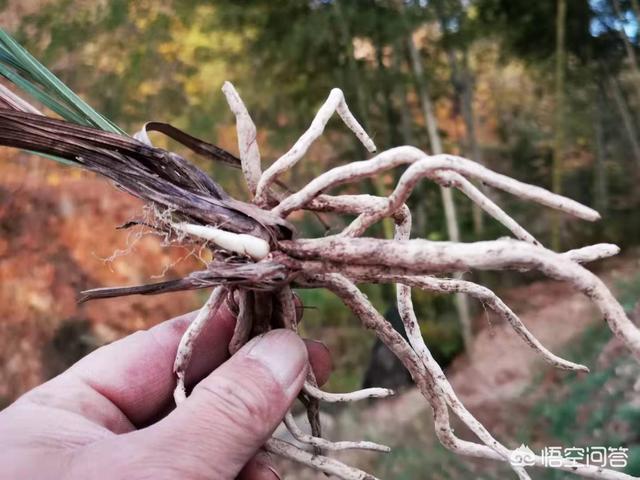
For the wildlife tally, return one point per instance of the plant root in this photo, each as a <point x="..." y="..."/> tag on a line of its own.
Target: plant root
<point x="339" y="262"/>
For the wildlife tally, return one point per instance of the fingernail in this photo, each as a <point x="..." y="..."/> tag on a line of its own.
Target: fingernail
<point x="318" y="343"/>
<point x="317" y="347"/>
<point x="283" y="353"/>
<point x="263" y="459"/>
<point x="274" y="472"/>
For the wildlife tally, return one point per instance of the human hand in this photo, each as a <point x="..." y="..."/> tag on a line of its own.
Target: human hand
<point x="111" y="415"/>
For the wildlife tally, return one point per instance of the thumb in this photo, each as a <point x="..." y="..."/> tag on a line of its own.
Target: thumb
<point x="231" y="413"/>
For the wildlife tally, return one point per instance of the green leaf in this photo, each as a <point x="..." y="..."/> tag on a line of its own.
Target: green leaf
<point x="41" y="96"/>
<point x="28" y="74"/>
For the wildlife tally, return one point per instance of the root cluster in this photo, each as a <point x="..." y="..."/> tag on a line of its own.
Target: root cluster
<point x="257" y="259"/>
<point x="342" y="261"/>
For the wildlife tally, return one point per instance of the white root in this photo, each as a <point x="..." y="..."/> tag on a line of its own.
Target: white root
<point x="592" y="253"/>
<point x="356" y="396"/>
<point x="420" y="162"/>
<point x="479" y="292"/>
<point x="491" y="300"/>
<point x="428" y="168"/>
<point x="352" y="204"/>
<point x="369" y="273"/>
<point x="247" y="137"/>
<point x="445" y="179"/>
<point x="187" y="342"/>
<point x="324" y="444"/>
<point x="439" y="383"/>
<point x="408" y="263"/>
<point x="424" y="256"/>
<point x="412" y="328"/>
<point x="486" y="296"/>
<point x="431" y="383"/>
<point x="426" y="381"/>
<point x="320" y="463"/>
<point x="357" y="203"/>
<point x="440" y="415"/>
<point x="335" y="103"/>
<point x="240" y="243"/>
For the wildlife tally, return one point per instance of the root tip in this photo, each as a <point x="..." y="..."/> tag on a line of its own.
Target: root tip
<point x="179" y="395"/>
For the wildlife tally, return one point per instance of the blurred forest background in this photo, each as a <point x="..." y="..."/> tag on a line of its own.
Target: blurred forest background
<point x="546" y="91"/>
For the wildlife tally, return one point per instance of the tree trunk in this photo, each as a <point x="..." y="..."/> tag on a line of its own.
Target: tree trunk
<point x="635" y="6"/>
<point x="453" y="232"/>
<point x="558" y="144"/>
<point x="386" y="89"/>
<point x="463" y="86"/>
<point x="406" y="125"/>
<point x="600" y="183"/>
<point x="352" y="68"/>
<point x="358" y="88"/>
<point x="627" y="120"/>
<point x="434" y="137"/>
<point x="629" y="48"/>
<point x="473" y="146"/>
<point x="408" y="138"/>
